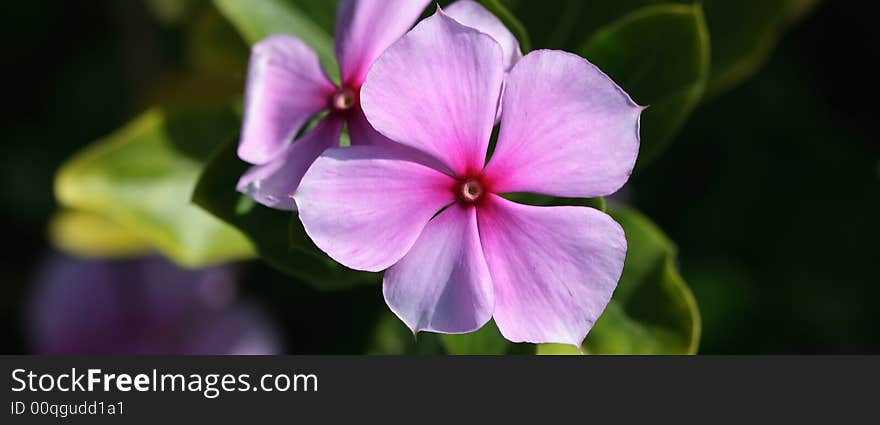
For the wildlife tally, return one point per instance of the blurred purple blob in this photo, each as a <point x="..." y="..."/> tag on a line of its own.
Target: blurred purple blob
<point x="143" y="306"/>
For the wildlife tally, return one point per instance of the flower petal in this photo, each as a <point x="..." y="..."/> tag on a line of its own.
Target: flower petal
<point x="365" y="28"/>
<point x="567" y="129"/>
<point x="436" y="89"/>
<point x="274" y="183"/>
<point x="363" y="134"/>
<point x="285" y="87"/>
<point x="365" y="206"/>
<point x="443" y="283"/>
<point x="553" y="268"/>
<point x="474" y="15"/>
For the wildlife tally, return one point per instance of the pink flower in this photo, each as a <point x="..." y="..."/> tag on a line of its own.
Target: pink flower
<point x="457" y="253"/>
<point x="286" y="87"/>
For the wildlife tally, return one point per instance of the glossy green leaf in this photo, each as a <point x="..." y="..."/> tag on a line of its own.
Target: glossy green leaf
<point x="744" y="34"/>
<point x="141" y="178"/>
<point x="660" y="56"/>
<point x="277" y="235"/>
<point x="258" y="19"/>
<point x="652" y="310"/>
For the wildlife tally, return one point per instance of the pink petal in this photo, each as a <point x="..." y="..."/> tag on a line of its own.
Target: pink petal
<point x="285" y="87"/>
<point x="363" y="134"/>
<point x="474" y="15"/>
<point x="274" y="183"/>
<point x="443" y="283"/>
<point x="567" y="129"/>
<point x="365" y="28"/>
<point x="553" y="268"/>
<point x="365" y="206"/>
<point x="437" y="90"/>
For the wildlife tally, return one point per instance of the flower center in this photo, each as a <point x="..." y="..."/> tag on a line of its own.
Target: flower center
<point x="344" y="99"/>
<point x="471" y="190"/>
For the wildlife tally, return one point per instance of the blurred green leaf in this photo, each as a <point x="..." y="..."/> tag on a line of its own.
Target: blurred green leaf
<point x="660" y="56"/>
<point x="141" y="178"/>
<point x="486" y="340"/>
<point x="322" y="12"/>
<point x="511" y="22"/>
<point x="171" y="12"/>
<point x="91" y="235"/>
<point x="258" y="19"/>
<point x="391" y="336"/>
<point x="652" y="310"/>
<point x="277" y="235"/>
<point x="558" y="350"/>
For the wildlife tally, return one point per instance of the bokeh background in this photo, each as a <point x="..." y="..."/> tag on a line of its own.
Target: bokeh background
<point x="771" y="191"/>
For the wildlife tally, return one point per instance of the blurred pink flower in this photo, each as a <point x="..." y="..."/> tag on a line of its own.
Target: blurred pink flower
<point x="457" y="253"/>
<point x="286" y="87"/>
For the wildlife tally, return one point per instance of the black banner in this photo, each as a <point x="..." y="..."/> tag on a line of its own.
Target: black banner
<point x="303" y="389"/>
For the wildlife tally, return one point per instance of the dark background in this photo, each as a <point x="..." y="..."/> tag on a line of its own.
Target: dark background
<point x="771" y="191"/>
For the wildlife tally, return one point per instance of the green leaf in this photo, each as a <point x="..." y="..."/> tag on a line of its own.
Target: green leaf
<point x="391" y="336"/>
<point x="277" y="235"/>
<point x="652" y="310"/>
<point x="322" y="12"/>
<point x="141" y="178"/>
<point x="744" y="34"/>
<point x="545" y="200"/>
<point x="88" y="234"/>
<point x="511" y="22"/>
<point x="660" y="56"/>
<point x="258" y="19"/>
<point x="486" y="340"/>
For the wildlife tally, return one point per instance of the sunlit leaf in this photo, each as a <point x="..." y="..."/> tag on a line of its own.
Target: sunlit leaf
<point x="142" y="176"/>
<point x="91" y="235"/>
<point x="258" y="19"/>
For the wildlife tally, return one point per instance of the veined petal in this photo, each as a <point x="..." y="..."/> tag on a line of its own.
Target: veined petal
<point x="567" y="129"/>
<point x="436" y="89"/>
<point x="443" y="283"/>
<point x="365" y="28"/>
<point x="474" y="15"/>
<point x="285" y="87"/>
<point x="273" y="184"/>
<point x="363" y="134"/>
<point x="553" y="268"/>
<point x="365" y="206"/>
